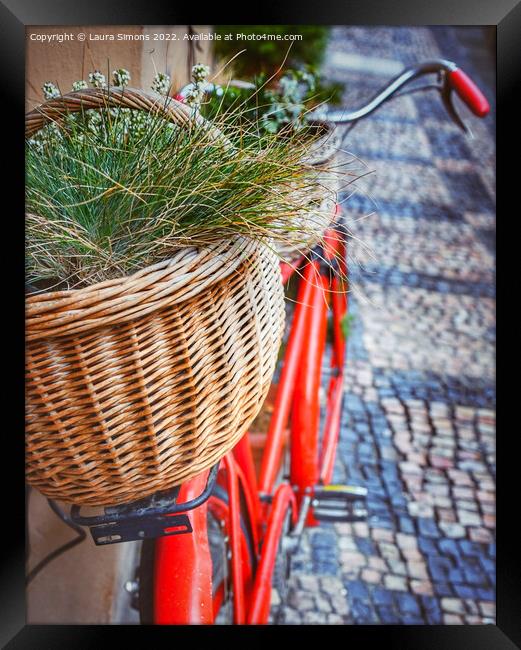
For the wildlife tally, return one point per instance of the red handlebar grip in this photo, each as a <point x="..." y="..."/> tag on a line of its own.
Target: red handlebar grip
<point x="469" y="93"/>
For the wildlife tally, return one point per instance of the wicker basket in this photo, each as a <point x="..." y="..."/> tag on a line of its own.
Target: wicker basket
<point x="136" y="384"/>
<point x="324" y="156"/>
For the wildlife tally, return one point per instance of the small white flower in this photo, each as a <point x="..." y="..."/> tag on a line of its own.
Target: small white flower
<point x="70" y="120"/>
<point x="94" y="120"/>
<point x="194" y="95"/>
<point x="161" y="83"/>
<point x="50" y="91"/>
<point x="200" y="71"/>
<point x="94" y="116"/>
<point x="97" y="79"/>
<point x="136" y="123"/>
<point x="36" y="144"/>
<point x="51" y="133"/>
<point x="79" y="85"/>
<point x="120" y="77"/>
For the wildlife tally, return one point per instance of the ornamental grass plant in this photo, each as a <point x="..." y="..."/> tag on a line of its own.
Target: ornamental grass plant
<point x="111" y="191"/>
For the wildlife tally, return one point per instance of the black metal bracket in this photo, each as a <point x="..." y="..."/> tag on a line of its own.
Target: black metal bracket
<point x="155" y="516"/>
<point x="138" y="528"/>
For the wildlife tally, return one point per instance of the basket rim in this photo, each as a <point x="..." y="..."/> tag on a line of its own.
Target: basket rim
<point x="57" y="108"/>
<point x="326" y="145"/>
<point x="187" y="273"/>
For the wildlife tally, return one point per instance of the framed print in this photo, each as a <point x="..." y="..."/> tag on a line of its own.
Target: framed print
<point x="259" y="324"/>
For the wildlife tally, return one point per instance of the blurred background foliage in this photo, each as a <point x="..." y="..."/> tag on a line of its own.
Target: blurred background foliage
<point x="275" y="65"/>
<point x="267" y="56"/>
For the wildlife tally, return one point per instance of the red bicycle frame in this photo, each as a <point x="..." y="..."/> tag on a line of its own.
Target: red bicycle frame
<point x="183" y="566"/>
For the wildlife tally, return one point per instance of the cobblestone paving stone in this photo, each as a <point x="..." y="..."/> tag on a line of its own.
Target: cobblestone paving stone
<point x="418" y="426"/>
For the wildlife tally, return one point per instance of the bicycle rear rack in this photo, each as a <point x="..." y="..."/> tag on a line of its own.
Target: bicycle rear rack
<point x="155" y="516"/>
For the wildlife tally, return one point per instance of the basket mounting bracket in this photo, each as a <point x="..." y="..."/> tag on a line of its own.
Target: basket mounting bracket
<point x="155" y="516"/>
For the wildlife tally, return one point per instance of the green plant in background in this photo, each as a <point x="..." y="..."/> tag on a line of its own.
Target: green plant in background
<point x="271" y="108"/>
<point x="347" y="325"/>
<point x="111" y="191"/>
<point x="267" y="55"/>
<point x="263" y="59"/>
<point x="289" y="101"/>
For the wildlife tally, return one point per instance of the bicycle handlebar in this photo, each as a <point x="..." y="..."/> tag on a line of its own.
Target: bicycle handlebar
<point x="451" y="78"/>
<point x="469" y="92"/>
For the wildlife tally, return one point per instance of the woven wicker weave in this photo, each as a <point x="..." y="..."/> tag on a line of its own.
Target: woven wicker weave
<point x="134" y="385"/>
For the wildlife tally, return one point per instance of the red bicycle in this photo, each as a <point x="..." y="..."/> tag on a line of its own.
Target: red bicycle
<point x="213" y="547"/>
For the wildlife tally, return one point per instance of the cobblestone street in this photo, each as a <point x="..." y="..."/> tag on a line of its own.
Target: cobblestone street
<point x="418" y="426"/>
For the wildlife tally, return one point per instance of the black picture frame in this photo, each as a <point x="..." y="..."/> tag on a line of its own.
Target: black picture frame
<point x="15" y="15"/>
